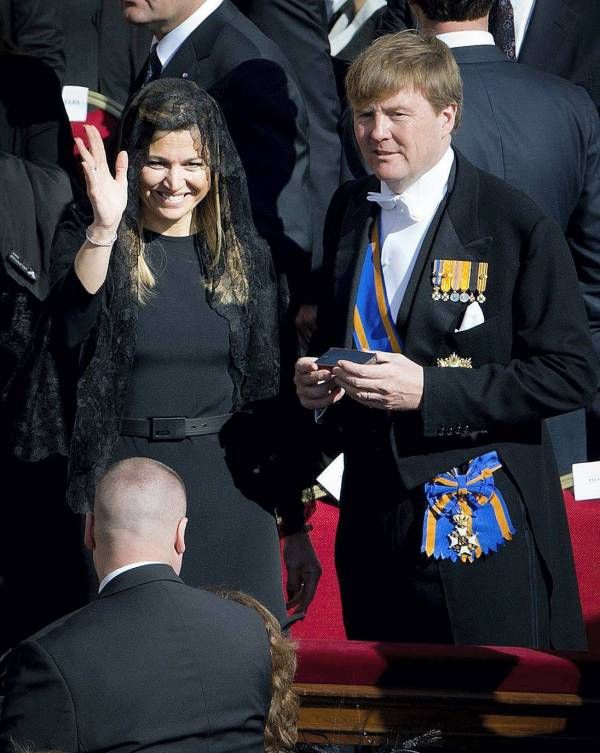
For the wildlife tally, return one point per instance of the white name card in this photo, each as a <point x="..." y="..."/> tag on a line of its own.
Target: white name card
<point x="76" y="103"/>
<point x="586" y="480"/>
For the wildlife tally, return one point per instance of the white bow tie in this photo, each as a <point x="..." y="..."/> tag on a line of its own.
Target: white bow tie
<point x="389" y="201"/>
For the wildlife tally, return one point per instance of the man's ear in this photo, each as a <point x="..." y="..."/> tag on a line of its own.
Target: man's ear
<point x="180" y="536"/>
<point x="88" y="535"/>
<point x="449" y="117"/>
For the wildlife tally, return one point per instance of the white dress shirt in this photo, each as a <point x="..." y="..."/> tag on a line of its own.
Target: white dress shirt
<point x="342" y="31"/>
<point x="113" y="574"/>
<point x="172" y="41"/>
<point x="331" y="6"/>
<point x="522" y="10"/>
<point x="403" y="228"/>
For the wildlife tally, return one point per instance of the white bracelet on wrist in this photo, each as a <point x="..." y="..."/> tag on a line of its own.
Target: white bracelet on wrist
<point x="105" y="244"/>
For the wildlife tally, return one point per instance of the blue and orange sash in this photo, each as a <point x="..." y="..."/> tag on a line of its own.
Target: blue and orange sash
<point x="374" y="326"/>
<point x="466" y="515"/>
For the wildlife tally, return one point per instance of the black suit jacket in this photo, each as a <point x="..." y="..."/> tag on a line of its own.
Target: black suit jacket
<point x="532" y="357"/>
<point x="151" y="665"/>
<point x="562" y="38"/>
<point x="35" y="127"/>
<point x="102" y="51"/>
<point x="35" y="143"/>
<point x="251" y="80"/>
<point x="299" y="27"/>
<point x="34" y="27"/>
<point x="395" y="16"/>
<point x="542" y="135"/>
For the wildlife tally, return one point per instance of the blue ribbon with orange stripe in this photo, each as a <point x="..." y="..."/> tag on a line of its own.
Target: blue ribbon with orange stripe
<point x="374" y="327"/>
<point x="466" y="515"/>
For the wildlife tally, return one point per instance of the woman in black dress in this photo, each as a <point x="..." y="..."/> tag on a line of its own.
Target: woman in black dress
<point x="167" y="297"/>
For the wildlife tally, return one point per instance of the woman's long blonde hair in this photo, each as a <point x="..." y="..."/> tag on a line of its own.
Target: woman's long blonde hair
<point x="281" y="728"/>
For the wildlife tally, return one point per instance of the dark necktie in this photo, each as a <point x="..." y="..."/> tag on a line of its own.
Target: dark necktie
<point x="502" y="27"/>
<point x="153" y="66"/>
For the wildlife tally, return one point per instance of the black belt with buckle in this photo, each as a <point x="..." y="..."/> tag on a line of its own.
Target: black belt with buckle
<point x="172" y="428"/>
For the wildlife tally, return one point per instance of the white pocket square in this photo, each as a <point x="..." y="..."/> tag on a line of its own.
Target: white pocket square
<point x="472" y="317"/>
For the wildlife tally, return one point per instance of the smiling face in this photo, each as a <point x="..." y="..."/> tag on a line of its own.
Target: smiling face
<point x="402" y="137"/>
<point x="173" y="181"/>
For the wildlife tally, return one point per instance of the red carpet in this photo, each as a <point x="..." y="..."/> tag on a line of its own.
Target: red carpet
<point x="324" y="618"/>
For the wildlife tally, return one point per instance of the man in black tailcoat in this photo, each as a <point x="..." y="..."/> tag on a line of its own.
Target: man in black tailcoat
<point x="468" y="294"/>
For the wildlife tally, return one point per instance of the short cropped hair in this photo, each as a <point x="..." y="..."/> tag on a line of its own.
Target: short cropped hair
<point x="455" y="10"/>
<point x="406" y="60"/>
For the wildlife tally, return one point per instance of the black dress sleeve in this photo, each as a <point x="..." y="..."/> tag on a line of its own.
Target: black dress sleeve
<point x="75" y="310"/>
<point x="266" y="438"/>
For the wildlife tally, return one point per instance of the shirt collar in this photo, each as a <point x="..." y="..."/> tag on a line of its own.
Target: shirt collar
<point x="113" y="573"/>
<point x="172" y="41"/>
<point x="466" y="38"/>
<point x="424" y="195"/>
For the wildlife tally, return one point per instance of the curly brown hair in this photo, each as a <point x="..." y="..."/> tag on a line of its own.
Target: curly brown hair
<point x="281" y="730"/>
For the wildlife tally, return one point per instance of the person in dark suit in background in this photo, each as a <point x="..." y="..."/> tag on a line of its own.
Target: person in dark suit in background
<point x="467" y="294"/>
<point x="211" y="43"/>
<point x="37" y="167"/>
<point x="33" y="121"/>
<point x="34" y="27"/>
<point x="152" y="663"/>
<point x="355" y="24"/>
<point x="555" y="36"/>
<point x="102" y="51"/>
<point x="33" y="200"/>
<point x="561" y="37"/>
<point x="542" y="135"/>
<point x="299" y="28"/>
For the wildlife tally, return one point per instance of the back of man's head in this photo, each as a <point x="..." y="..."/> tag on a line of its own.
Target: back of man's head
<point x="139" y="515"/>
<point x="454" y="10"/>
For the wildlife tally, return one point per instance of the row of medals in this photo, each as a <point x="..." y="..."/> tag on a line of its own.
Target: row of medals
<point x="452" y="280"/>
